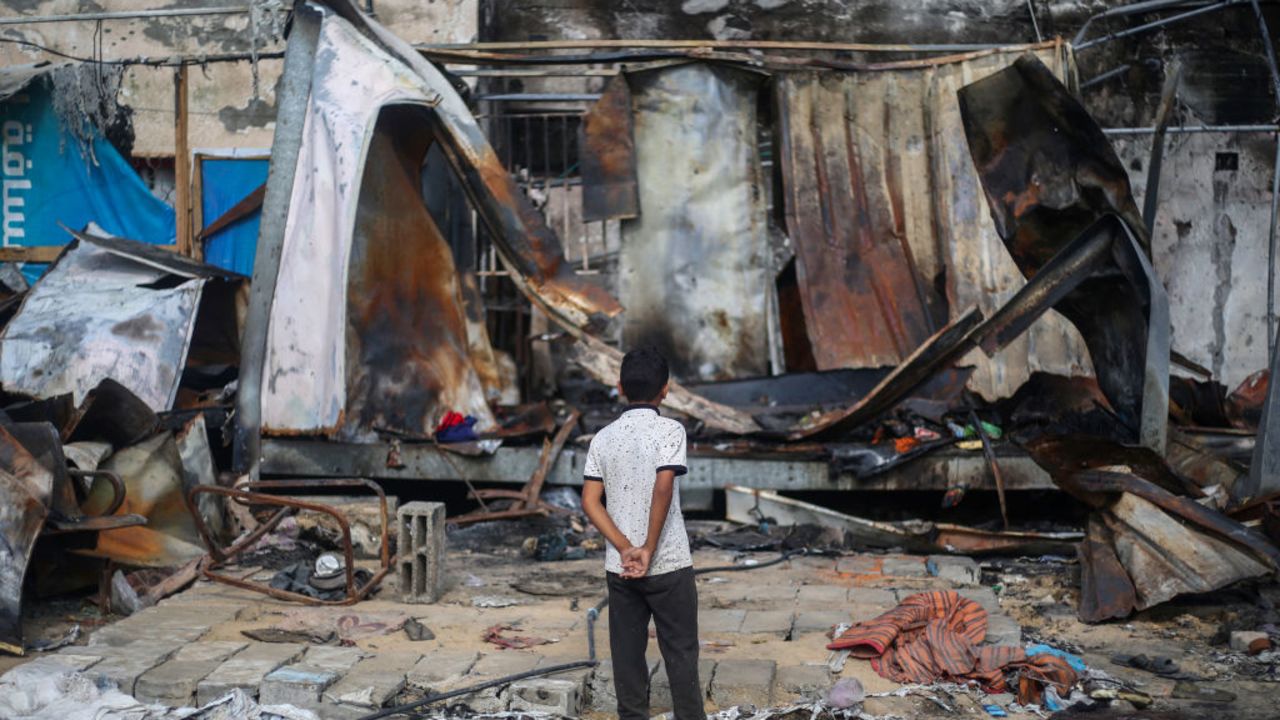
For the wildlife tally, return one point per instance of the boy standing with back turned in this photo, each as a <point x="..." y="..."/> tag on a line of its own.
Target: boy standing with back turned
<point x="634" y="462"/>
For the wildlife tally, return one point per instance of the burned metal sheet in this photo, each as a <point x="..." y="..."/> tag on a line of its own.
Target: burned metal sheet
<point x="1050" y="177"/>
<point x="25" y="489"/>
<point x="408" y="350"/>
<point x="694" y="269"/>
<point x="101" y="313"/>
<point x="607" y="156"/>
<point x="154" y="479"/>
<point x="1145" y="544"/>
<point x="865" y="302"/>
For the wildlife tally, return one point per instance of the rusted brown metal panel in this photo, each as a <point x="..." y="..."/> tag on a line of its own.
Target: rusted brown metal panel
<point x="865" y="302"/>
<point x="1050" y="176"/>
<point x="409" y="361"/>
<point x="607" y="156"/>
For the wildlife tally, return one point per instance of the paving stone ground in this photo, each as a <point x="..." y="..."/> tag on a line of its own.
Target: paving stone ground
<point x="763" y="639"/>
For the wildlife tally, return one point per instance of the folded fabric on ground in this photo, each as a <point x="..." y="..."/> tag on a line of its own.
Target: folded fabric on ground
<point x="937" y="636"/>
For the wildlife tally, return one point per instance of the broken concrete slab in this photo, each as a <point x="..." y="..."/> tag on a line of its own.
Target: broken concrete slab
<point x="374" y="680"/>
<point x="1003" y="630"/>
<point x="821" y="596"/>
<point x="246" y="670"/>
<point x="768" y="622"/>
<point x="173" y="682"/>
<point x="720" y="622"/>
<point x="302" y="684"/>
<point x="954" y="568"/>
<point x="809" y="682"/>
<point x="122" y="665"/>
<point x="441" y="666"/>
<point x="904" y="567"/>
<point x="743" y="682"/>
<point x="601" y="692"/>
<point x="660" y="684"/>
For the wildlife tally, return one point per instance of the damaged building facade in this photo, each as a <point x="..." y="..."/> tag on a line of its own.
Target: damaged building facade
<point x="945" y="280"/>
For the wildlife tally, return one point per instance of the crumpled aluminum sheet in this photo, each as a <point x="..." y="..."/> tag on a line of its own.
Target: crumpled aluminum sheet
<point x="307" y="374"/>
<point x="91" y="317"/>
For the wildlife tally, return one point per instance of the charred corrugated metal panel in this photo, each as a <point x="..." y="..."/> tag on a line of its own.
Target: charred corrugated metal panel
<point x="1050" y="178"/>
<point x="694" y="268"/>
<point x="607" y="156"/>
<point x="408" y="359"/>
<point x="865" y="302"/>
<point x="102" y="313"/>
<point x="25" y="489"/>
<point x="979" y="270"/>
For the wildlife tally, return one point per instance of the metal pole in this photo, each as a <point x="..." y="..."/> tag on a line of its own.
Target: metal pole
<point x="123" y="15"/>
<point x="1193" y="129"/>
<point x="1156" y="24"/>
<point x="291" y="101"/>
<point x="1265" y="32"/>
<point x="1103" y="77"/>
<point x="1139" y="7"/>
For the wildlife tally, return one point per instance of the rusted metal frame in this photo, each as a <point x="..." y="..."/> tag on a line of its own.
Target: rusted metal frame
<point x="117" y="486"/>
<point x="354" y="594"/>
<point x="534" y="489"/>
<point x="291" y="99"/>
<point x="995" y="467"/>
<point x="528" y="496"/>
<point x="384" y="512"/>
<point x="1131" y="9"/>
<point x="182" y="163"/>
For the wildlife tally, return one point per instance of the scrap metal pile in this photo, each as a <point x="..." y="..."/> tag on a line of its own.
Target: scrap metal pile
<point x="360" y="330"/>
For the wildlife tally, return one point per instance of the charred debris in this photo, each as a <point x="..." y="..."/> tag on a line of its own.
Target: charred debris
<point x="831" y="324"/>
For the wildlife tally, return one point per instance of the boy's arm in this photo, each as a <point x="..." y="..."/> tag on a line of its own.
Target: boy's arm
<point x="639" y="558"/>
<point x="592" y="492"/>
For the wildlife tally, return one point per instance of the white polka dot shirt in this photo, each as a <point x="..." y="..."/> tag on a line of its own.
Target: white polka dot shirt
<point x="627" y="455"/>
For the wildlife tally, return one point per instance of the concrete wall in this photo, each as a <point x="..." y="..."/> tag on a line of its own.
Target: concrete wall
<point x="224" y="113"/>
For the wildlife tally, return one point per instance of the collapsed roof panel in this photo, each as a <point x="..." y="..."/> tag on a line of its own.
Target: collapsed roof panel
<point x="694" y="270"/>
<point x="105" y="309"/>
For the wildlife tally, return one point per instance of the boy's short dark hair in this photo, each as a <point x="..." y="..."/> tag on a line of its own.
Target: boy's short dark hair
<point x="644" y="372"/>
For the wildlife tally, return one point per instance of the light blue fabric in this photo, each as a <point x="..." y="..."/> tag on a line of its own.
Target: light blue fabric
<point x="47" y="180"/>
<point x="1074" y="661"/>
<point x="223" y="183"/>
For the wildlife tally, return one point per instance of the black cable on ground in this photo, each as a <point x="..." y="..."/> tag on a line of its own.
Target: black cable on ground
<point x="430" y="699"/>
<point x="592" y="614"/>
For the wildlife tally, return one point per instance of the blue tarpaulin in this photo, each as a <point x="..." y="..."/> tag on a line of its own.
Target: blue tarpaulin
<point x="47" y="180"/>
<point x="223" y="183"/>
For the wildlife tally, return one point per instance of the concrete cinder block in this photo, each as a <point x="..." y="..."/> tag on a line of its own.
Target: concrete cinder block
<point x="810" y="682"/>
<point x="421" y="549"/>
<point x="374" y="680"/>
<point x="860" y="565"/>
<point x="246" y="670"/>
<point x="174" y="682"/>
<point x="743" y="682"/>
<point x="956" y="569"/>
<point x="660" y="686"/>
<point x="553" y="696"/>
<point x="1002" y="630"/>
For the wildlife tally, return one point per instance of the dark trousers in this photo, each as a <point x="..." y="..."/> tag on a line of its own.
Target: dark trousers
<point x="671" y="599"/>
